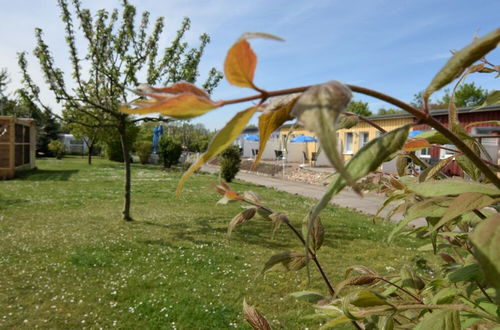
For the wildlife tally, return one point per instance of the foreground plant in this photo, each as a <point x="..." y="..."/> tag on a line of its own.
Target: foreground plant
<point x="461" y="225"/>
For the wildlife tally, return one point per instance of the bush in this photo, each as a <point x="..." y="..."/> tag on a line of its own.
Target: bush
<point x="170" y="150"/>
<point x="57" y="148"/>
<point x="230" y="162"/>
<point x="113" y="150"/>
<point x="143" y="149"/>
<point x="186" y="166"/>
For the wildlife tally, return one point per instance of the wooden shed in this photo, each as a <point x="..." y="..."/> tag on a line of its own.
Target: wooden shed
<point x="17" y="145"/>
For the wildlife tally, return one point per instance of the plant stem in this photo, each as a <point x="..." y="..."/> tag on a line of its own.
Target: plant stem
<point x="402" y="289"/>
<point x="299" y="236"/>
<point x="368" y="121"/>
<point x="314" y="258"/>
<point x="423" y="116"/>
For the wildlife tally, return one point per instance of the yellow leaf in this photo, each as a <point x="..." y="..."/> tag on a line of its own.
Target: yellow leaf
<point x="220" y="142"/>
<point x="182" y="100"/>
<point x="269" y="122"/>
<point x="241" y="61"/>
<point x="182" y="106"/>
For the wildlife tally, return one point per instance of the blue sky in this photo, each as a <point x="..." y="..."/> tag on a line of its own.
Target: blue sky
<point x="392" y="46"/>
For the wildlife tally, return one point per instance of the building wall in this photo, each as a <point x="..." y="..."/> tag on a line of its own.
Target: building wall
<point x="17" y="145"/>
<point x="386" y="123"/>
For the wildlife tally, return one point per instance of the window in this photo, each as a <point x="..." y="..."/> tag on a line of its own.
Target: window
<point x="424" y="153"/>
<point x="348" y="143"/>
<point x="363" y="139"/>
<point x="446" y="153"/>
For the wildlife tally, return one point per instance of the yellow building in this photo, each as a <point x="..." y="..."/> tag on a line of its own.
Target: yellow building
<point x="353" y="139"/>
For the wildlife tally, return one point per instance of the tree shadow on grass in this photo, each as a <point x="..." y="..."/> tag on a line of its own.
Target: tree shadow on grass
<point x="47" y="175"/>
<point x="5" y="203"/>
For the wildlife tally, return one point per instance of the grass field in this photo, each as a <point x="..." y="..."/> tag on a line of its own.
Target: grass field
<point x="67" y="261"/>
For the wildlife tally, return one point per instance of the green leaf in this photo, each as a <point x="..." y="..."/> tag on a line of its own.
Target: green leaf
<point x="220" y="142"/>
<point x="385" y="323"/>
<point x="462" y="204"/>
<point x="486" y="241"/>
<point x="401" y="164"/>
<point x="367" y="298"/>
<point x="462" y="59"/>
<point x="433" y="136"/>
<point x="445" y="296"/>
<point x="337" y="321"/>
<point x="368" y="159"/>
<point x="317" y="234"/>
<point x="309" y="296"/>
<point x="492" y="99"/>
<point x="466" y="273"/>
<point x="431" y="171"/>
<point x="445" y="319"/>
<point x="484" y="123"/>
<point x="290" y="260"/>
<point x="468" y="167"/>
<point x="240" y="218"/>
<point x="410" y="280"/>
<point x="452" y="187"/>
<point x="347" y="121"/>
<point x="255" y="318"/>
<point x="319" y="109"/>
<point x="434" y="207"/>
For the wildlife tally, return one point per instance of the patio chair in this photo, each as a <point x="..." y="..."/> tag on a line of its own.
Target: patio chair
<point x="314" y="158"/>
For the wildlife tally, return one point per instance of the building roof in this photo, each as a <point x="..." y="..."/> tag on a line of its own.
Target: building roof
<point x="439" y="112"/>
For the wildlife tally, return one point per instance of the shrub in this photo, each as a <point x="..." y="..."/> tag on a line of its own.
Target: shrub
<point x="230" y="162"/>
<point x="170" y="150"/>
<point x="186" y="166"/>
<point x="143" y="149"/>
<point x="57" y="148"/>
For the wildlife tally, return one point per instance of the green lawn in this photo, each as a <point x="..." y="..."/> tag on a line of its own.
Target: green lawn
<point x="67" y="261"/>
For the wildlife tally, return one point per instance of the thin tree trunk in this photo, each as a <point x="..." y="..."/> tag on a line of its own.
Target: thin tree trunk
<point x="126" y="162"/>
<point x="91" y="147"/>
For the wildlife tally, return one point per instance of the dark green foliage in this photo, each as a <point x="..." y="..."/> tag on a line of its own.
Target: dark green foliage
<point x="383" y="111"/>
<point x="360" y="108"/>
<point x="193" y="137"/>
<point x="230" y="162"/>
<point x="170" y="151"/>
<point x="112" y="142"/>
<point x="48" y="129"/>
<point x="57" y="148"/>
<point x="467" y="95"/>
<point x="143" y="149"/>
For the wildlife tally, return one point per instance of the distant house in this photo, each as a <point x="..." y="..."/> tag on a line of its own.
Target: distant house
<point x="73" y="145"/>
<point x="17" y="145"/>
<point x="353" y="139"/>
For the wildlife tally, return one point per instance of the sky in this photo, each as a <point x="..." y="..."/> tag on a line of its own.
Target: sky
<point x="395" y="47"/>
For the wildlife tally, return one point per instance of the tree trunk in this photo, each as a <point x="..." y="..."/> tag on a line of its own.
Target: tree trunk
<point x="91" y="147"/>
<point x="126" y="162"/>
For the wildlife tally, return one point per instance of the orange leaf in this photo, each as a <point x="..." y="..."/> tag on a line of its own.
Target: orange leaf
<point x="240" y="65"/>
<point x="416" y="144"/>
<point x="232" y="195"/>
<point x="182" y="106"/>
<point x="181" y="87"/>
<point x="241" y="61"/>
